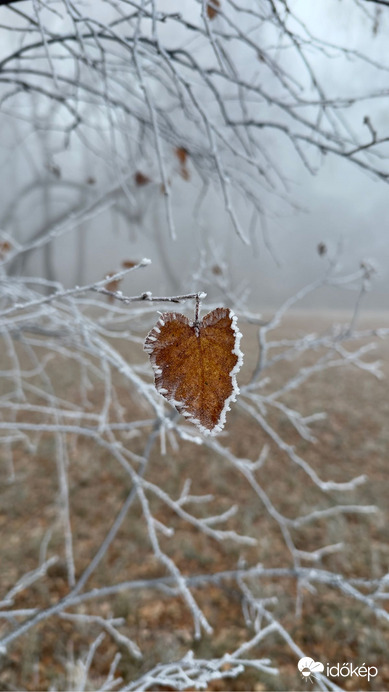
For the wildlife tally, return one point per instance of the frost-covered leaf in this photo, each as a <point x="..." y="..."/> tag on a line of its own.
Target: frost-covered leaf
<point x="195" y="365"/>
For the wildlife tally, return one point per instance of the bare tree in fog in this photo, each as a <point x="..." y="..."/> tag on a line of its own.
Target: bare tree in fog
<point x="146" y="95"/>
<point x="150" y="94"/>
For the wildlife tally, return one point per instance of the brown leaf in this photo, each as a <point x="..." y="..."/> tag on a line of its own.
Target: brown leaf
<point x="5" y="247"/>
<point x="182" y="155"/>
<point x="141" y="179"/>
<point x="112" y="285"/>
<point x="195" y="365"/>
<point x="212" y="10"/>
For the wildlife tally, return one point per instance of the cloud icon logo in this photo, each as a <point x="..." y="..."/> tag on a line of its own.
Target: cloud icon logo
<point x="307" y="666"/>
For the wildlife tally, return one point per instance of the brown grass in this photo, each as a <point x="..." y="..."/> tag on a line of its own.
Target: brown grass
<point x="354" y="439"/>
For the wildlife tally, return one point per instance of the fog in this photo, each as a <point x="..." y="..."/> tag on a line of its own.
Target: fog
<point x="336" y="203"/>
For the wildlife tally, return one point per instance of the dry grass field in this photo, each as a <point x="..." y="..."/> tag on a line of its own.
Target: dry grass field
<point x="352" y="440"/>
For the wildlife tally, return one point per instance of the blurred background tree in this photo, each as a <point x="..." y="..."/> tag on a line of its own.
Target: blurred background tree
<point x="142" y="122"/>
